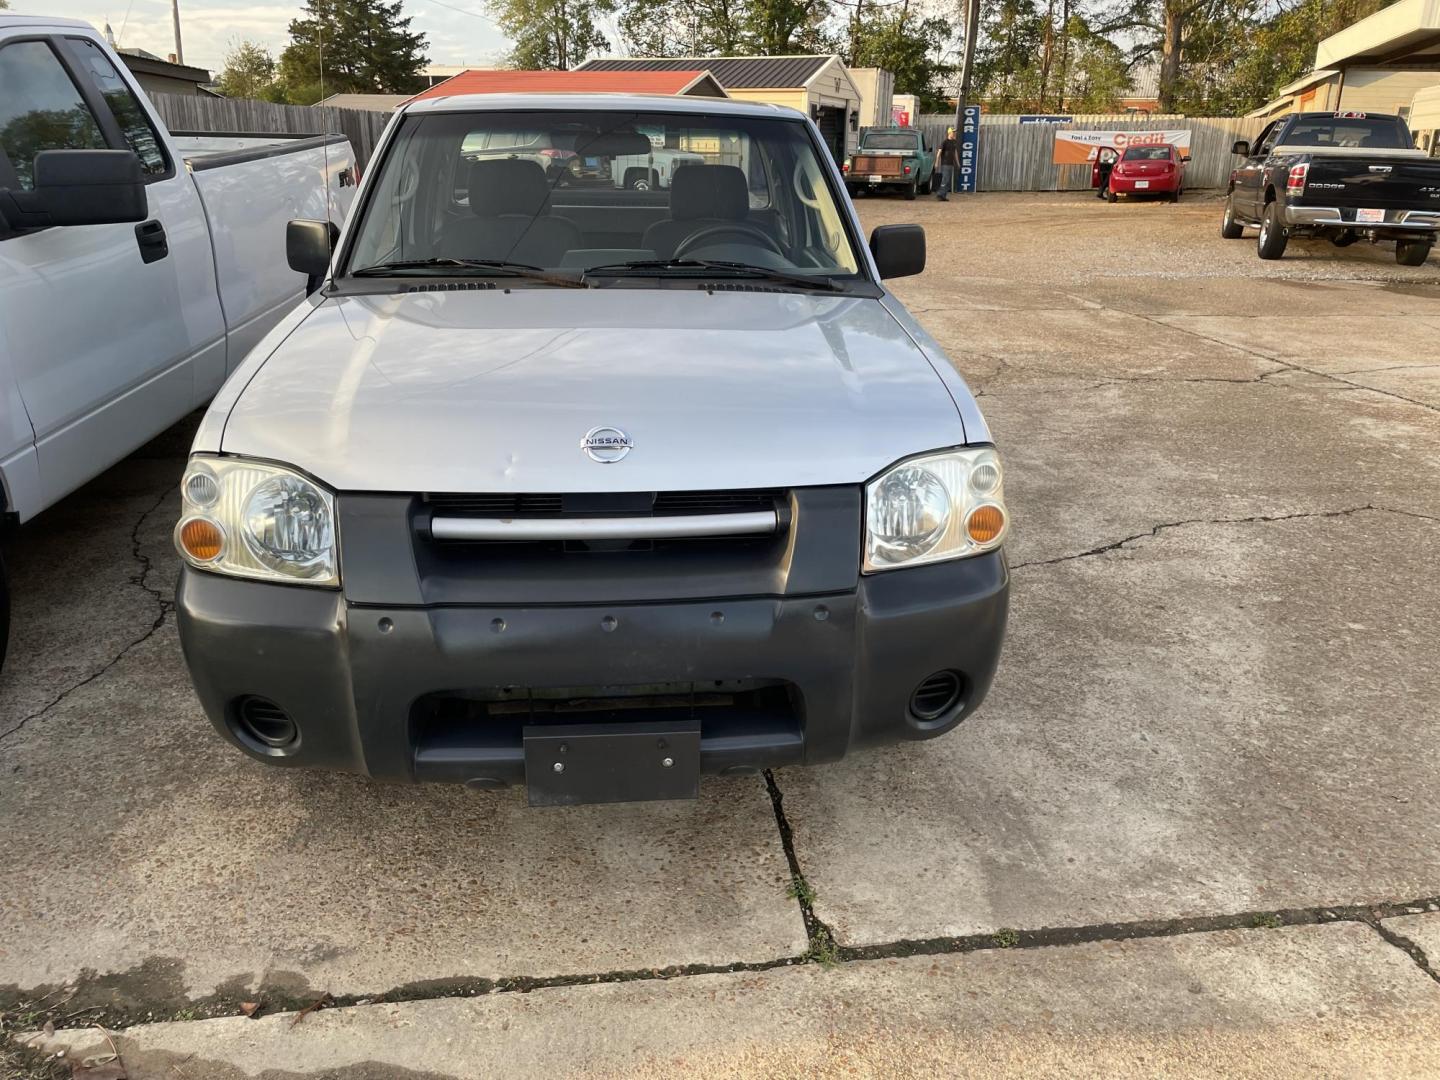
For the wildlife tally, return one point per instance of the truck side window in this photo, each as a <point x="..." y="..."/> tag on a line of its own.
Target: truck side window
<point x="1266" y="142"/>
<point x="139" y="134"/>
<point x="40" y="109"/>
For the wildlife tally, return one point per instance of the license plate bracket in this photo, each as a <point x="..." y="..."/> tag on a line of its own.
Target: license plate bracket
<point x="1142" y="183"/>
<point x="571" y="764"/>
<point x="1367" y="216"/>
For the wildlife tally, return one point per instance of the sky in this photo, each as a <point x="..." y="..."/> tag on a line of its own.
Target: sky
<point x="457" y="31"/>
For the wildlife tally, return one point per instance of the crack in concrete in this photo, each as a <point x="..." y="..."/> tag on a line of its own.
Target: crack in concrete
<point x="823" y="947"/>
<point x="281" y="1000"/>
<point x="1289" y="364"/>
<point x="1156" y="530"/>
<point x="1404" y="944"/>
<point x="140" y="580"/>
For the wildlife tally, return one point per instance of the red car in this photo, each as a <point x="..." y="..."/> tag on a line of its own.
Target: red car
<point x="1148" y="170"/>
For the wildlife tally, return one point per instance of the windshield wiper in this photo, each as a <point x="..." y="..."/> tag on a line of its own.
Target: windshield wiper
<point x="502" y="266"/>
<point x="750" y="269"/>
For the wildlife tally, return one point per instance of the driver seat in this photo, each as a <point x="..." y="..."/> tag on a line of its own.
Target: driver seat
<point x="701" y="197"/>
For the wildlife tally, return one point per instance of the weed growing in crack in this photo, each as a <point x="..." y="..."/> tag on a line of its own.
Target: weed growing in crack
<point x="1266" y="921"/>
<point x="801" y="890"/>
<point x="823" y="951"/>
<point x="1005" y="938"/>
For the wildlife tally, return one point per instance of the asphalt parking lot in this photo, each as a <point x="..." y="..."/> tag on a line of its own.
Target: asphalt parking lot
<point x="1192" y="830"/>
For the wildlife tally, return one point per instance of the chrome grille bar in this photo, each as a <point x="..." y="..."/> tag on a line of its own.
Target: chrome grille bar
<point x="605" y="528"/>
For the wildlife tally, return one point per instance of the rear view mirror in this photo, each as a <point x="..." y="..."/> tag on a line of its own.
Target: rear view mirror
<point x="1184" y="157"/>
<point x="613" y="144"/>
<point x="899" y="250"/>
<point x="79" y="187"/>
<point x="308" y="246"/>
<point x="1241" y="148"/>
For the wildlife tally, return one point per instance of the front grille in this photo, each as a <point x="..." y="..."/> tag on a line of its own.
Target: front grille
<point x="559" y="505"/>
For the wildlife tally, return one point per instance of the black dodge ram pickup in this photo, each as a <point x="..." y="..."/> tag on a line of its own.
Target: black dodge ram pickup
<point x="1345" y="175"/>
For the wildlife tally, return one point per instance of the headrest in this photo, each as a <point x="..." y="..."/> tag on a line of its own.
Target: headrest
<point x="508" y="186"/>
<point x="709" y="191"/>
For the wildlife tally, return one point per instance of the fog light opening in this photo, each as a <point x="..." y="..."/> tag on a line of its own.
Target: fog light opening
<point x="936" y="696"/>
<point x="262" y="721"/>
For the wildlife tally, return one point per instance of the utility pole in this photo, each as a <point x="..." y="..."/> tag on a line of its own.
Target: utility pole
<point x="175" y="20"/>
<point x="967" y="71"/>
<point x="967" y="62"/>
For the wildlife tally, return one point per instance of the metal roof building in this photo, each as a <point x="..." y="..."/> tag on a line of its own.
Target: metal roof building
<point x="819" y="86"/>
<point x="673" y="82"/>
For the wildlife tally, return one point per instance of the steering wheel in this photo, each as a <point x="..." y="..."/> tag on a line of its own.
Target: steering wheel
<point x="738" y="228"/>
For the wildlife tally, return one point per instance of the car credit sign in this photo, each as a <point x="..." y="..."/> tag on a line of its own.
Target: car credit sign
<point x="1080" y="147"/>
<point x="969" y="178"/>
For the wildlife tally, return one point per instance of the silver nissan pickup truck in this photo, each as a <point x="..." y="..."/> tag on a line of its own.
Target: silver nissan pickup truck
<point x="593" y="489"/>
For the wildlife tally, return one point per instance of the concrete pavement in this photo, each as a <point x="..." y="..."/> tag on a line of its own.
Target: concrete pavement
<point x="1216" y="702"/>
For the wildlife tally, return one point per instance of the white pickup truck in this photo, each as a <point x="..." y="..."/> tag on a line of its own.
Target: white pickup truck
<point x="137" y="267"/>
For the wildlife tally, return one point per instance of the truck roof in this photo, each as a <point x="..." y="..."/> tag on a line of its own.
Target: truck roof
<point x="599" y="103"/>
<point x="10" y="19"/>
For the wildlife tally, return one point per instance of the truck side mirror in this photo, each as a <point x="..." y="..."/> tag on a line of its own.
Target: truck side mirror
<point x="899" y="250"/>
<point x="1241" y="148"/>
<point x="79" y="187"/>
<point x="308" y="246"/>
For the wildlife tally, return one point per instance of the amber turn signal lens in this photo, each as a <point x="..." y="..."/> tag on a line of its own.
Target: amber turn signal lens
<point x="201" y="539"/>
<point x="985" y="524"/>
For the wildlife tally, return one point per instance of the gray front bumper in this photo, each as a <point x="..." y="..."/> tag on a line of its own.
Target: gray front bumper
<point x="350" y="675"/>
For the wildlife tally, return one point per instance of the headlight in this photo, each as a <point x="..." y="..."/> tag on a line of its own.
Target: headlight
<point x="944" y="505"/>
<point x="255" y="520"/>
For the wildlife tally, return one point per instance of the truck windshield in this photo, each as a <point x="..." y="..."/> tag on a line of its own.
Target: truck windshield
<point x="889" y="140"/>
<point x="570" y="190"/>
<point x="1359" y="132"/>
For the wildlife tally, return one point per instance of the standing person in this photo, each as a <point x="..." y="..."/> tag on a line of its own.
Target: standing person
<point x="949" y="164"/>
<point x="1105" y="160"/>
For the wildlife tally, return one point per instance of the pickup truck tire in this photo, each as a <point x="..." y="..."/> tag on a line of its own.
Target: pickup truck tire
<point x="1407" y="253"/>
<point x="1270" y="244"/>
<point x="912" y="190"/>
<point x="1230" y="229"/>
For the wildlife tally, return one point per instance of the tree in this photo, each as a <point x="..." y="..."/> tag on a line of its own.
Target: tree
<point x="1099" y="75"/>
<point x="911" y="47"/>
<point x="366" y="48"/>
<point x="782" y="27"/>
<point x="1007" y="72"/>
<point x="698" y="28"/>
<point x="553" y="35"/>
<point x="249" y="71"/>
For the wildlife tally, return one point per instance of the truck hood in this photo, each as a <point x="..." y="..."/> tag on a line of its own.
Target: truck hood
<point x="489" y="390"/>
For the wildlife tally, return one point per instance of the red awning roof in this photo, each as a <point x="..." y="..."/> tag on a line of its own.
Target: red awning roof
<point x="563" y="82"/>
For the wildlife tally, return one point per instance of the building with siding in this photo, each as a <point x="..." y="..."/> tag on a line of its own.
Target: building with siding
<point x="877" y="95"/>
<point x="819" y="86"/>
<point x="1378" y="64"/>
<point x="157" y="76"/>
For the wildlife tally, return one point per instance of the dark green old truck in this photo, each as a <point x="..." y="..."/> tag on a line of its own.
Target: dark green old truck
<point x="897" y="159"/>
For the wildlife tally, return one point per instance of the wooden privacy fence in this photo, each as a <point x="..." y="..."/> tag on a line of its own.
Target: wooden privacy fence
<point x="1018" y="157"/>
<point x="186" y="112"/>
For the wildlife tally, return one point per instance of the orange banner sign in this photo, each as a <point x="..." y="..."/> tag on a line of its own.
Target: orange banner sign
<point x="1080" y="147"/>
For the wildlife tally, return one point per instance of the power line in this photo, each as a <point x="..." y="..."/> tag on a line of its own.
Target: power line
<point x="463" y="11"/>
